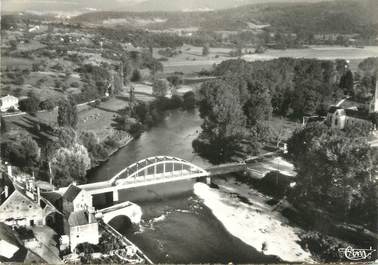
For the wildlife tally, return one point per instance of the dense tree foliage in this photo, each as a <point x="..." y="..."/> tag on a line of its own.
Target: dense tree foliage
<point x="175" y="80"/>
<point x="70" y="165"/>
<point x="136" y="76"/>
<point x="160" y="87"/>
<point x="346" y="82"/>
<point x="30" y="104"/>
<point x="67" y="113"/>
<point x="3" y="125"/>
<point x="224" y="121"/>
<point x="47" y="104"/>
<point x="189" y="100"/>
<point x="335" y="171"/>
<point x="287" y="87"/>
<point x="91" y="141"/>
<point x="205" y="50"/>
<point x="24" y="152"/>
<point x="366" y="78"/>
<point x="65" y="137"/>
<point x="293" y="87"/>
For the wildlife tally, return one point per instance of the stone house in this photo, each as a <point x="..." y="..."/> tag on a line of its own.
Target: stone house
<point x="340" y="118"/>
<point x="76" y="199"/>
<point x="18" y="209"/>
<point x="83" y="228"/>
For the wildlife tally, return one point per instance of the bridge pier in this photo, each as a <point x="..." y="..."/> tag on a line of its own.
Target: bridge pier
<point x="115" y="195"/>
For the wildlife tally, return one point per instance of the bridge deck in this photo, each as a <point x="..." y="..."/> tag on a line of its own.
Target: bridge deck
<point x="140" y="181"/>
<point x="145" y="178"/>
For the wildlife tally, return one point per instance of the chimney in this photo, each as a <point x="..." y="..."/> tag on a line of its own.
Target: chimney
<point x="91" y="215"/>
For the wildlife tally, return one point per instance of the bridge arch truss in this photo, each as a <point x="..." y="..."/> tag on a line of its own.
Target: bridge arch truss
<point x="157" y="168"/>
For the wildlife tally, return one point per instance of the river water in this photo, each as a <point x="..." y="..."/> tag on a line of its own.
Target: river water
<point x="178" y="229"/>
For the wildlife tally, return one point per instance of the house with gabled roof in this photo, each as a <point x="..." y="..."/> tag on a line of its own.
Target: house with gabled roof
<point x="76" y="199"/>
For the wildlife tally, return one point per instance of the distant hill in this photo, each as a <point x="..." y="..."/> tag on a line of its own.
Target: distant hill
<point x="129" y="5"/>
<point x="342" y="16"/>
<point x="199" y="5"/>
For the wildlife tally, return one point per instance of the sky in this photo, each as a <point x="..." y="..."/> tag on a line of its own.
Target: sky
<point x="132" y="5"/>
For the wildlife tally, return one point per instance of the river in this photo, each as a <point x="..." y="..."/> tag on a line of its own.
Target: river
<point x="182" y="229"/>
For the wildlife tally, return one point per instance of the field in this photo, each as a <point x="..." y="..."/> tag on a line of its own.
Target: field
<point x="97" y="119"/>
<point x="191" y="59"/>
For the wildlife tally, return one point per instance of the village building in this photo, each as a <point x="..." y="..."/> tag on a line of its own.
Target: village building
<point x="80" y="223"/>
<point x="340" y="118"/>
<point x="20" y="210"/>
<point x="76" y="199"/>
<point x="8" y="102"/>
<point x="83" y="228"/>
<point x="23" y="205"/>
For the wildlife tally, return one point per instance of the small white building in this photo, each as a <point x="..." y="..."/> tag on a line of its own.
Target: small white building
<point x="8" y="102"/>
<point x="83" y="229"/>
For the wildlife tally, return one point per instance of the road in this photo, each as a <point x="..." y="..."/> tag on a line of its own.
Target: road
<point x="260" y="167"/>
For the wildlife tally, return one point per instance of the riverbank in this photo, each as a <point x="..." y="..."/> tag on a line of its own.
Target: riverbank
<point x="242" y="209"/>
<point x="113" y="143"/>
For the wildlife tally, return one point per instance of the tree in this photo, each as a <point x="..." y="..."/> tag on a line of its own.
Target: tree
<point x="175" y="80"/>
<point x="65" y="137"/>
<point x="189" y="102"/>
<point x="136" y="76"/>
<point x="117" y="84"/>
<point x="346" y="82"/>
<point x="3" y="125"/>
<point x="258" y="107"/>
<point x="332" y="167"/>
<point x="175" y="102"/>
<point x="67" y="113"/>
<point x="160" y="88"/>
<point x="48" y="105"/>
<point x="24" y="152"/>
<point x="89" y="139"/>
<point x="30" y="104"/>
<point x="70" y="165"/>
<point x="224" y="121"/>
<point x="205" y="50"/>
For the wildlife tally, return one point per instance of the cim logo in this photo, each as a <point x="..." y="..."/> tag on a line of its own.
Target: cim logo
<point x="356" y="254"/>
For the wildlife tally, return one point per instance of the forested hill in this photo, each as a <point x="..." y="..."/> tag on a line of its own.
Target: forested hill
<point x="341" y="16"/>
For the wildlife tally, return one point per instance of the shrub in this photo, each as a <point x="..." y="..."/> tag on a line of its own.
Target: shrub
<point x="136" y="76"/>
<point x="189" y="101"/>
<point x="30" y="104"/>
<point x="75" y="84"/>
<point x="176" y="102"/>
<point x="48" y="104"/>
<point x="19" y="81"/>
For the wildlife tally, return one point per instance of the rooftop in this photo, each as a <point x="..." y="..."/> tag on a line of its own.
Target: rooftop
<point x="78" y="218"/>
<point x="71" y="193"/>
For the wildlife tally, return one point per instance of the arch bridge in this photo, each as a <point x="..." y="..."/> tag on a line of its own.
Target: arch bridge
<point x="149" y="171"/>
